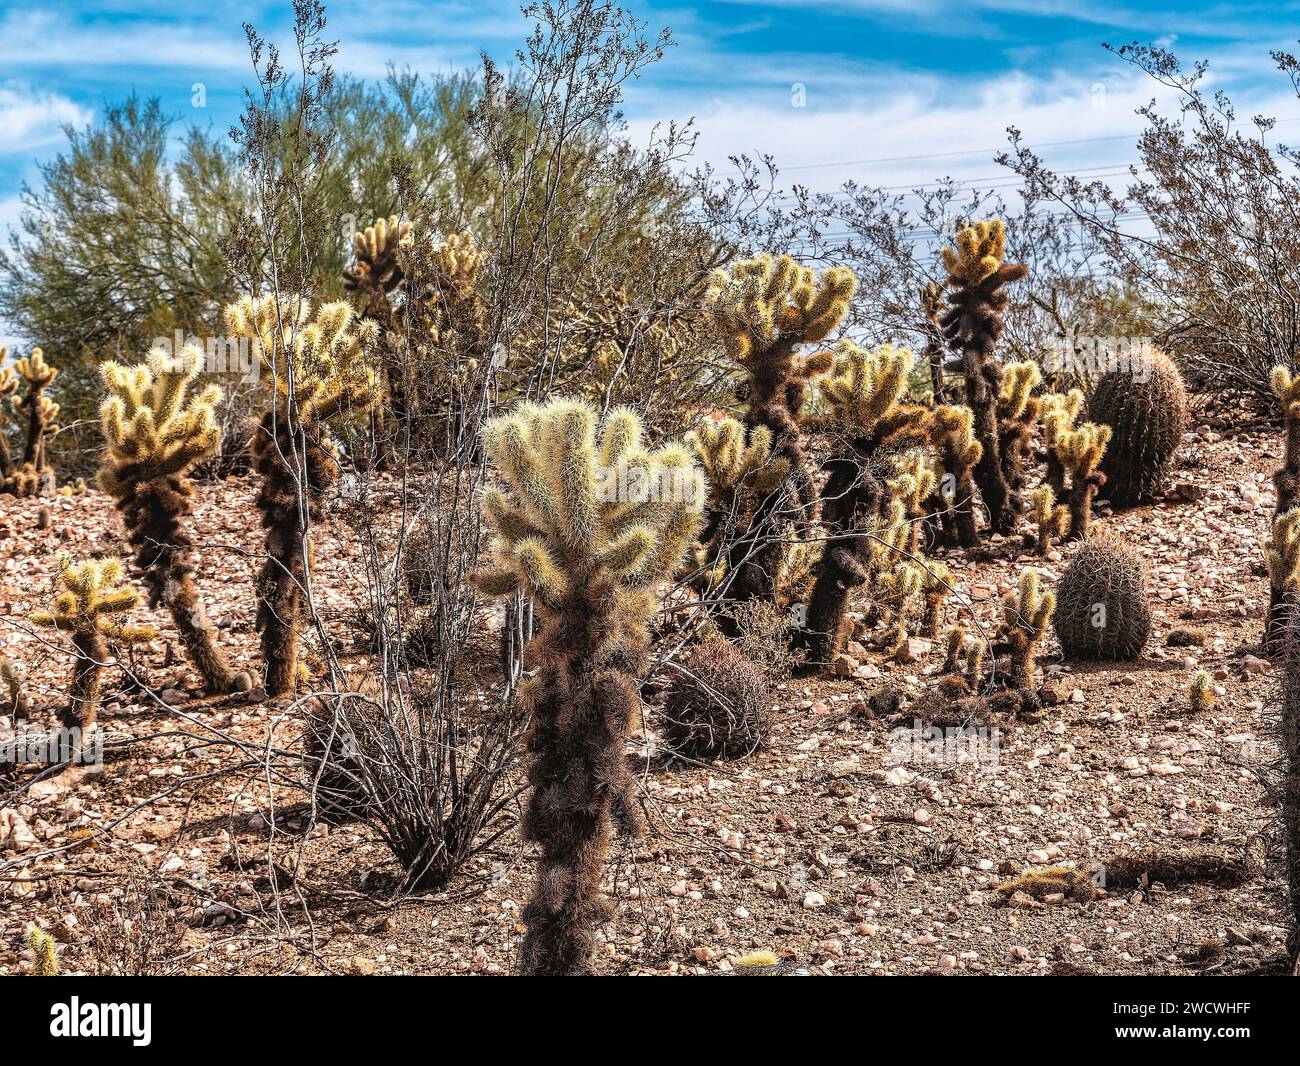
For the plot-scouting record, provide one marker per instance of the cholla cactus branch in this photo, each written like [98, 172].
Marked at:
[592, 561]
[156, 428]
[1080, 453]
[1051, 518]
[1025, 615]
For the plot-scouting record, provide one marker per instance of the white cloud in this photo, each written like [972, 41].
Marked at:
[30, 119]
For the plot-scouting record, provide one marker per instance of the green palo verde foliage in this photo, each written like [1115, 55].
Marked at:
[592, 562]
[1147, 413]
[319, 373]
[156, 429]
[32, 475]
[863, 394]
[764, 310]
[90, 608]
[977, 276]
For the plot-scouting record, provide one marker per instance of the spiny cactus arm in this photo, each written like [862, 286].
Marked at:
[569, 467]
[1018, 382]
[865, 386]
[45, 952]
[34, 370]
[979, 256]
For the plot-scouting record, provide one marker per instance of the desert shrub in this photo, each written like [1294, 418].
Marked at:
[1101, 603]
[1147, 418]
[717, 704]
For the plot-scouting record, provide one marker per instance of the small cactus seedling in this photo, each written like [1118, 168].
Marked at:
[1052, 519]
[1200, 691]
[156, 430]
[953, 434]
[976, 652]
[1080, 452]
[45, 953]
[1147, 412]
[318, 371]
[1018, 411]
[90, 608]
[593, 566]
[977, 276]
[764, 310]
[33, 474]
[1025, 615]
[954, 640]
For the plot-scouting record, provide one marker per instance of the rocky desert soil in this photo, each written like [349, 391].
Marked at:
[847, 845]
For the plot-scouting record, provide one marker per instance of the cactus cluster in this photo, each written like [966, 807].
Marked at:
[1101, 604]
[319, 372]
[763, 310]
[90, 606]
[156, 429]
[1286, 480]
[1147, 412]
[972, 326]
[592, 561]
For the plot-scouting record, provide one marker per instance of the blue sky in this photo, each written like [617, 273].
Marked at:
[881, 79]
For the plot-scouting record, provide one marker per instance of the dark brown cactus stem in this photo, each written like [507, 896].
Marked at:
[1289, 646]
[153, 516]
[1081, 496]
[286, 457]
[581, 702]
[87, 680]
[1286, 480]
[973, 325]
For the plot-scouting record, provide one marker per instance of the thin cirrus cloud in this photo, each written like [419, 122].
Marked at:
[31, 119]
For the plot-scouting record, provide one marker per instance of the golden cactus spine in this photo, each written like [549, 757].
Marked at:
[1051, 518]
[90, 606]
[318, 370]
[973, 325]
[592, 560]
[764, 310]
[156, 429]
[1201, 696]
[1025, 616]
[33, 474]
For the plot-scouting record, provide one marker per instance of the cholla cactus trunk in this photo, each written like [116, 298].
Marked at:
[1289, 646]
[33, 475]
[592, 565]
[156, 431]
[1286, 480]
[973, 326]
[289, 500]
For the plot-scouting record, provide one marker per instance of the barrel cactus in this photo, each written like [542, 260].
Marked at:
[716, 706]
[1147, 414]
[1101, 605]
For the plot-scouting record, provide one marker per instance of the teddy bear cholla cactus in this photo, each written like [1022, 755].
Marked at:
[1057, 414]
[1025, 614]
[376, 269]
[862, 394]
[953, 435]
[592, 562]
[90, 609]
[1286, 480]
[763, 310]
[1018, 411]
[318, 370]
[156, 430]
[977, 275]
[33, 474]
[1051, 518]
[1080, 452]
[8, 386]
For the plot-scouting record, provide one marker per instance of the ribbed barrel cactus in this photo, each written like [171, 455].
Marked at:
[589, 524]
[318, 373]
[1101, 602]
[157, 428]
[978, 276]
[1145, 406]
